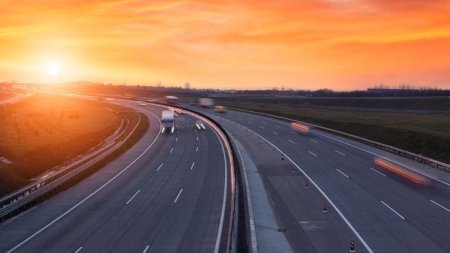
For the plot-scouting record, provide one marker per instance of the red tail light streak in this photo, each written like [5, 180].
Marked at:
[402, 171]
[301, 128]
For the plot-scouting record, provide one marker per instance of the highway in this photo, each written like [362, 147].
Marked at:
[380, 211]
[168, 193]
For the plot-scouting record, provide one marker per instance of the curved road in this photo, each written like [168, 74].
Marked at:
[380, 211]
[166, 194]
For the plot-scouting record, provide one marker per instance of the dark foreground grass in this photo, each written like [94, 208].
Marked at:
[424, 134]
[48, 130]
[133, 138]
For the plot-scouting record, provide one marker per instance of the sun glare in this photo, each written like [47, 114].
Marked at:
[53, 68]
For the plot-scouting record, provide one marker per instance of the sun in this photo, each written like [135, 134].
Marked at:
[53, 68]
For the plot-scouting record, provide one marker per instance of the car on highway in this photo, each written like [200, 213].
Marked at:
[219, 109]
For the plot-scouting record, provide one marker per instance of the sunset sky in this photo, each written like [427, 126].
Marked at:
[301, 44]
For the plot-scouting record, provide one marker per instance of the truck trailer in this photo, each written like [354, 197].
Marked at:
[167, 122]
[206, 102]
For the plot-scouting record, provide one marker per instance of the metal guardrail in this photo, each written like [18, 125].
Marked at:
[391, 149]
[13, 202]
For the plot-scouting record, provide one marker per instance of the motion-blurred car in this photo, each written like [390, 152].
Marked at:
[219, 109]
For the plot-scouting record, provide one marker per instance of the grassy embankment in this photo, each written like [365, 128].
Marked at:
[5, 95]
[427, 134]
[44, 131]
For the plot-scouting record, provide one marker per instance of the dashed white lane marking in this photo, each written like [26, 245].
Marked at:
[79, 249]
[87, 197]
[392, 209]
[278, 127]
[291, 141]
[312, 153]
[378, 172]
[196, 149]
[323, 194]
[275, 133]
[337, 151]
[261, 127]
[443, 207]
[179, 193]
[377, 155]
[192, 166]
[132, 197]
[146, 249]
[171, 150]
[176, 139]
[197, 138]
[345, 175]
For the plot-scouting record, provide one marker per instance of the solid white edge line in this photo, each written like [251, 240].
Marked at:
[323, 194]
[345, 175]
[225, 189]
[79, 249]
[146, 249]
[159, 167]
[224, 199]
[392, 209]
[362, 149]
[192, 166]
[384, 175]
[178, 195]
[132, 197]
[443, 207]
[87, 197]
[312, 153]
[254, 242]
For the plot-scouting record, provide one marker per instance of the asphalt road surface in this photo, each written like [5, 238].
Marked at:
[165, 194]
[380, 211]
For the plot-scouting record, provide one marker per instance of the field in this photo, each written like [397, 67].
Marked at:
[5, 95]
[425, 133]
[46, 130]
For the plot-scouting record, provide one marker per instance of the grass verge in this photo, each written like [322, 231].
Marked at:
[424, 134]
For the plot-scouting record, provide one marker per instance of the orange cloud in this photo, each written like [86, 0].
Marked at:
[306, 44]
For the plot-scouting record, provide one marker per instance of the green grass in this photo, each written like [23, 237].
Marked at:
[425, 134]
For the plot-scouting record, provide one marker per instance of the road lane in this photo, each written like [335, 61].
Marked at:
[136, 211]
[426, 225]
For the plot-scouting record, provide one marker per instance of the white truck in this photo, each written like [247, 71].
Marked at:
[206, 102]
[167, 122]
